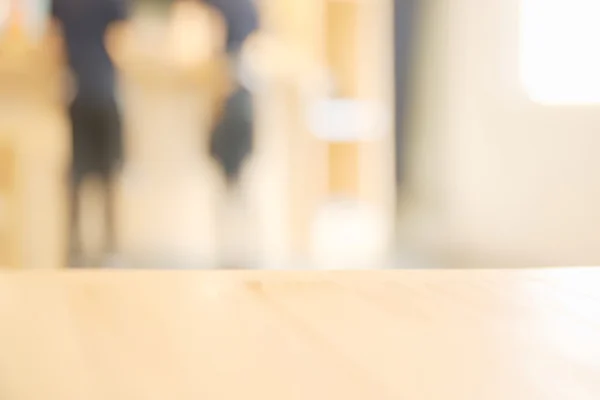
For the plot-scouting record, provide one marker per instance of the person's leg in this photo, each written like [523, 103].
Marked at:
[231, 141]
[232, 137]
[113, 157]
[231, 145]
[110, 233]
[77, 175]
[75, 247]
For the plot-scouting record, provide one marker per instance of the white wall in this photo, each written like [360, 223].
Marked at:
[494, 173]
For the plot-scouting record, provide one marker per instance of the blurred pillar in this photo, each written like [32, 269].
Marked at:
[33, 152]
[336, 122]
[286, 63]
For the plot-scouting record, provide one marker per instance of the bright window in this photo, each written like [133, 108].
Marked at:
[560, 51]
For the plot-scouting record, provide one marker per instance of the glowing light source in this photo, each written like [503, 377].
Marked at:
[559, 61]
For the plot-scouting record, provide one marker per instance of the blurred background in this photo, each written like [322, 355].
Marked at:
[308, 134]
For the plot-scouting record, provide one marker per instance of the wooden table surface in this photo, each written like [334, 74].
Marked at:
[448, 334]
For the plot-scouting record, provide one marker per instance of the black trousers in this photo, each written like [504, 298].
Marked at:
[97, 145]
[97, 149]
[232, 138]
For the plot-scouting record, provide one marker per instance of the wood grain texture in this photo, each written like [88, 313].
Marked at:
[520, 334]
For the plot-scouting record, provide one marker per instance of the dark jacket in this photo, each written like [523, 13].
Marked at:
[241, 17]
[84, 23]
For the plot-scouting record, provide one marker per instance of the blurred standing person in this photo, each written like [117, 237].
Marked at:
[94, 113]
[232, 137]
